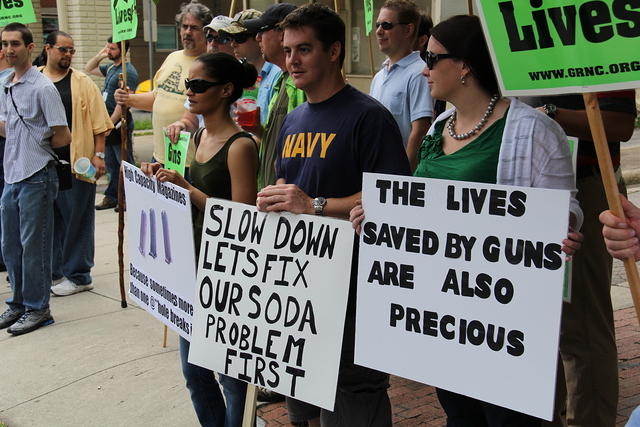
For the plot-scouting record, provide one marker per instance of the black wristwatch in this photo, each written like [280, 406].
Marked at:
[550, 110]
[318, 205]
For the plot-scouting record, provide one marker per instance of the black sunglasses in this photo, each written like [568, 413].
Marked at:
[200, 85]
[217, 39]
[242, 37]
[432, 58]
[388, 25]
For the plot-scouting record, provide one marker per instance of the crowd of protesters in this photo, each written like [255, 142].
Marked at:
[241, 86]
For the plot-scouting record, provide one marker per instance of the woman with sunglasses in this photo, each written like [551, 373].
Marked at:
[489, 139]
[225, 166]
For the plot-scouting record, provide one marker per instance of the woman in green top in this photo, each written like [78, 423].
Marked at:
[225, 166]
[489, 139]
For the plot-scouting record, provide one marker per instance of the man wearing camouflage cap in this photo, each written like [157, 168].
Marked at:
[246, 47]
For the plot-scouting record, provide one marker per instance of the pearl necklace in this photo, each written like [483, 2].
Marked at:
[452, 121]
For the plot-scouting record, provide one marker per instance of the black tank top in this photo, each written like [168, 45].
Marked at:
[212, 178]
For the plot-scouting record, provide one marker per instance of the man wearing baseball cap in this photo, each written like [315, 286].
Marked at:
[285, 95]
[246, 47]
[217, 42]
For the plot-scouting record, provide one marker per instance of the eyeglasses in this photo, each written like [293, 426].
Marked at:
[64, 49]
[432, 58]
[242, 37]
[217, 39]
[200, 85]
[388, 25]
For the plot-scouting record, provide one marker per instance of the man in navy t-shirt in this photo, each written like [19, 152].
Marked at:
[324, 147]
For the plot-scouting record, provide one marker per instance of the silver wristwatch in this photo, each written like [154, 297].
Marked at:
[100, 155]
[318, 205]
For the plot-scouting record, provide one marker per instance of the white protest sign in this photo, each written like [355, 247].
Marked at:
[160, 248]
[271, 298]
[460, 287]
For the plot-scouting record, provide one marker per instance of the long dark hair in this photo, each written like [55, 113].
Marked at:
[462, 36]
[226, 68]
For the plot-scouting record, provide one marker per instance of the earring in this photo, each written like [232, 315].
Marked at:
[462, 80]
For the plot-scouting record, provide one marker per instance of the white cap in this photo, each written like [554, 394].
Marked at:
[219, 22]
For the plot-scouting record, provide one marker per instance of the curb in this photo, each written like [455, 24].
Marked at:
[631, 176]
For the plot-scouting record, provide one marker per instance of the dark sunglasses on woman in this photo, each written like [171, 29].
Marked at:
[432, 58]
[199, 85]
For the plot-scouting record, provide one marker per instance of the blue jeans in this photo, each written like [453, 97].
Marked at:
[206, 397]
[112, 163]
[27, 237]
[74, 232]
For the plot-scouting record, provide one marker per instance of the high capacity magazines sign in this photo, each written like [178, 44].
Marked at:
[162, 267]
[563, 46]
[271, 298]
[460, 287]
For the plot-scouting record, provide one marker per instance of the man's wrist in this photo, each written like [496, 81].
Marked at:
[318, 204]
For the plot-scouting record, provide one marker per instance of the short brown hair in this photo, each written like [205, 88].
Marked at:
[27, 37]
[325, 23]
[408, 12]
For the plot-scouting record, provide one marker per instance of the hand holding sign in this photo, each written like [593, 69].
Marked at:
[621, 235]
[175, 153]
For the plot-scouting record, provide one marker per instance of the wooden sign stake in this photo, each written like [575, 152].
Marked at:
[124, 138]
[249, 418]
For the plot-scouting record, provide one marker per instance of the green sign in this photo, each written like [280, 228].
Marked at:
[16, 11]
[563, 46]
[124, 19]
[175, 155]
[368, 16]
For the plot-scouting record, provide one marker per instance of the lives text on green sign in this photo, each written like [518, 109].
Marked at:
[124, 19]
[556, 46]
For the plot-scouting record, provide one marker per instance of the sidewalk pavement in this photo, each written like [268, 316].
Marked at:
[100, 364]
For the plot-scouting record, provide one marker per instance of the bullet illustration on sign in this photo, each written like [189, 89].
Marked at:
[153, 253]
[143, 231]
[165, 236]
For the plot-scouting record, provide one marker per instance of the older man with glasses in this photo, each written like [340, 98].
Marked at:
[216, 42]
[166, 102]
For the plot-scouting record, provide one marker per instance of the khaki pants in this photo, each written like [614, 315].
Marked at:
[587, 393]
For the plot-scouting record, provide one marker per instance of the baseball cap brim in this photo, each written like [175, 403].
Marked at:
[270, 18]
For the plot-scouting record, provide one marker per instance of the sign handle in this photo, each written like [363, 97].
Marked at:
[124, 135]
[232, 8]
[249, 418]
[164, 336]
[470, 6]
[610, 185]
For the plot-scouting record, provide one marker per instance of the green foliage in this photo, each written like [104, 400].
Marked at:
[142, 125]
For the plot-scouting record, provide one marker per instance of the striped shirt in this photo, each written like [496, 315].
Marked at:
[28, 148]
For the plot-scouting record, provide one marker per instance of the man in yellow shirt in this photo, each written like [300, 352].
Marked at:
[74, 214]
[166, 102]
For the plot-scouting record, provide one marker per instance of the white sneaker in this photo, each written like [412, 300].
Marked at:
[67, 287]
[58, 281]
